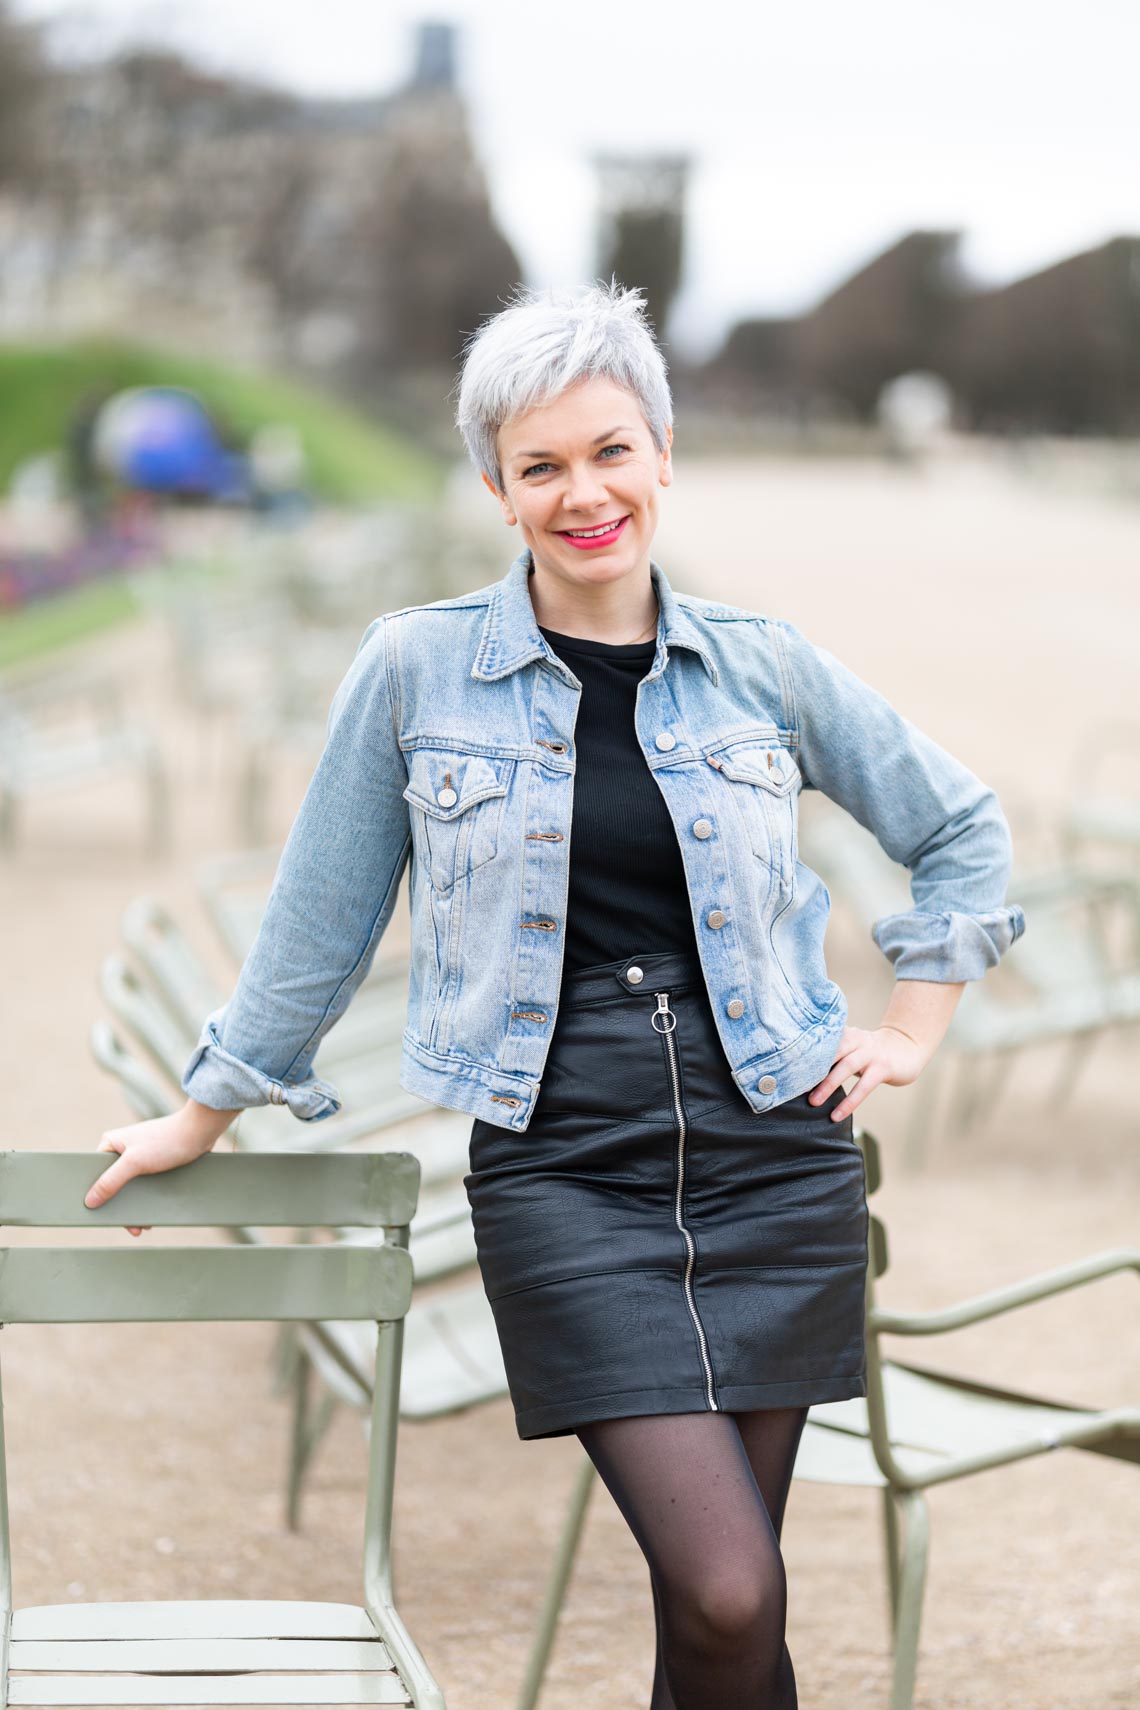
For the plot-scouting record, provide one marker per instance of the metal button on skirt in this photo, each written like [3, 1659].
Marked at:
[651, 1244]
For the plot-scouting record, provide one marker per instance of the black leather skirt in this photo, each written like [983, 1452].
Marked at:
[651, 1244]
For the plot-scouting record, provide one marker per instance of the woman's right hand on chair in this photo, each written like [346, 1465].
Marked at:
[162, 1143]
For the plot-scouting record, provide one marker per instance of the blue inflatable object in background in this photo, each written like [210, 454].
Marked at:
[160, 439]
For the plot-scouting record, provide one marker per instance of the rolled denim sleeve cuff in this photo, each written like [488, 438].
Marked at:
[947, 947]
[215, 1077]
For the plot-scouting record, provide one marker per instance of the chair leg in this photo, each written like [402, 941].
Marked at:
[298, 1444]
[975, 1090]
[891, 1531]
[998, 1081]
[912, 1584]
[283, 1360]
[556, 1586]
[158, 807]
[309, 1426]
[251, 797]
[1075, 1058]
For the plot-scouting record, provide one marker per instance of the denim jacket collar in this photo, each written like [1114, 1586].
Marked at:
[511, 636]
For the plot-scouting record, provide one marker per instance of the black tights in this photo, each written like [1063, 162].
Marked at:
[704, 1496]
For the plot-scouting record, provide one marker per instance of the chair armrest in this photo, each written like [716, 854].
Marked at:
[982, 1306]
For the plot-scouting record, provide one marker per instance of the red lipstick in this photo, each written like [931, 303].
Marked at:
[592, 542]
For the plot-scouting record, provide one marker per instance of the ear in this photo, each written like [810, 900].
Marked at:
[666, 475]
[509, 516]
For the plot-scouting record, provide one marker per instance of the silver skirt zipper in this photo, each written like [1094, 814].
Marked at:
[690, 1247]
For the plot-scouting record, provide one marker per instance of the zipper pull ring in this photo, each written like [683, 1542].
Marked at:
[663, 1009]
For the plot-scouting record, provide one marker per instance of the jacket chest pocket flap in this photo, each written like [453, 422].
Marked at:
[457, 806]
[765, 778]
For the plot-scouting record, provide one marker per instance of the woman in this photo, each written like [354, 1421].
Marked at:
[668, 1202]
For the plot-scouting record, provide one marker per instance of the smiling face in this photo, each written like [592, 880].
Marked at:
[581, 476]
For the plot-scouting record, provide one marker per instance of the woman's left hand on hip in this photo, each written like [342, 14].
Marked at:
[876, 1055]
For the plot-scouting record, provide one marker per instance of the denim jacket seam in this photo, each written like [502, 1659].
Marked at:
[459, 1062]
[787, 688]
[395, 705]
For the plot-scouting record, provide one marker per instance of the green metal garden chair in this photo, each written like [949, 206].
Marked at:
[915, 1428]
[220, 1652]
[1103, 811]
[1074, 975]
[441, 1240]
[69, 730]
[451, 1356]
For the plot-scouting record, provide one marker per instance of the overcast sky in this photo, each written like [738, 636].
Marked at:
[819, 132]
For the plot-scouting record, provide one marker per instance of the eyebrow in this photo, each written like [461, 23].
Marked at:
[601, 437]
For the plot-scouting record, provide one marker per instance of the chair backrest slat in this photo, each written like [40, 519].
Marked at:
[146, 1097]
[171, 962]
[92, 1285]
[269, 1190]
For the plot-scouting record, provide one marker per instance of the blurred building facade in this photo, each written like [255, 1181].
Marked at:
[641, 225]
[339, 236]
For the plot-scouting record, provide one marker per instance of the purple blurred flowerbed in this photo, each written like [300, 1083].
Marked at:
[28, 575]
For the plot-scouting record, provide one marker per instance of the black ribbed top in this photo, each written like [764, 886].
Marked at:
[628, 893]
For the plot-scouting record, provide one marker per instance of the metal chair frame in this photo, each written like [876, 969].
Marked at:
[221, 1652]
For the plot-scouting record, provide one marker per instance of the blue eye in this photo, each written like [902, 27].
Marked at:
[537, 468]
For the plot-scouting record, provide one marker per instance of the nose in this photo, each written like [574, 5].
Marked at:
[585, 488]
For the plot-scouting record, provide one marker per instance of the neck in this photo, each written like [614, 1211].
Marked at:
[624, 611]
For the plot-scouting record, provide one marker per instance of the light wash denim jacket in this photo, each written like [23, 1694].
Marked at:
[451, 742]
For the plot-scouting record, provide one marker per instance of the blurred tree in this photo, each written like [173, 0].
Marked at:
[278, 246]
[1057, 351]
[895, 314]
[23, 76]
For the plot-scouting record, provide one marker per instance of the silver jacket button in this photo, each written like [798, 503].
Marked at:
[736, 1008]
[635, 975]
[767, 1083]
[666, 740]
[702, 828]
[447, 798]
[716, 918]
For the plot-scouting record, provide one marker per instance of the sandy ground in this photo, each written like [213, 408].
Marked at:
[1001, 615]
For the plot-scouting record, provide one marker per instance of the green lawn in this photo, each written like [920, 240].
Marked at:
[351, 459]
[69, 616]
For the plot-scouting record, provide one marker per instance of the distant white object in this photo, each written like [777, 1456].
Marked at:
[36, 517]
[38, 483]
[915, 410]
[277, 458]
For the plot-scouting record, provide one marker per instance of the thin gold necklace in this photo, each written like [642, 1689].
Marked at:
[645, 634]
[651, 629]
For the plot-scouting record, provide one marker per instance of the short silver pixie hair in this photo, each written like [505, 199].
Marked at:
[543, 342]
